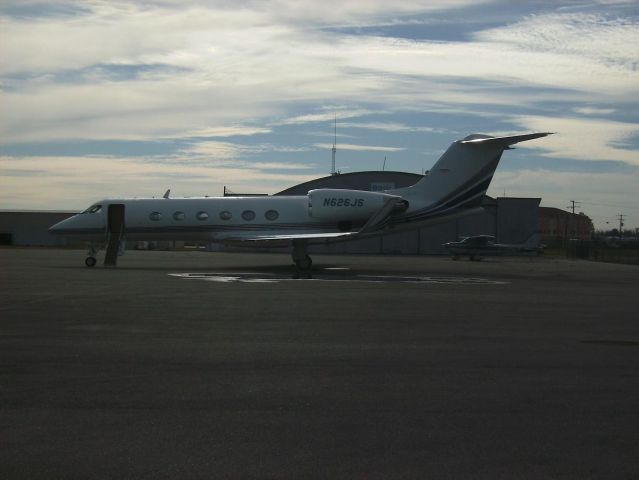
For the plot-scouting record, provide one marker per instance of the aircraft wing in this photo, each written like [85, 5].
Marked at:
[284, 240]
[300, 236]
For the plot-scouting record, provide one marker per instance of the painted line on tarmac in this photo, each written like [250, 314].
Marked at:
[252, 277]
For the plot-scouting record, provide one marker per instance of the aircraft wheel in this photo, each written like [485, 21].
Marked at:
[304, 263]
[90, 261]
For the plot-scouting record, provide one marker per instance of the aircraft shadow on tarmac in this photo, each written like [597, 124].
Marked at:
[278, 273]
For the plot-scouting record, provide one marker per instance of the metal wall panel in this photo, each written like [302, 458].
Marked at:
[517, 219]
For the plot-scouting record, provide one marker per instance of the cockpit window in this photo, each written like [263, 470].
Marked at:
[93, 209]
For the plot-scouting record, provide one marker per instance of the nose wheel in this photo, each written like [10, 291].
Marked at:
[90, 261]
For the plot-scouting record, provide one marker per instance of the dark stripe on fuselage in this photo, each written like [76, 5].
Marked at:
[471, 198]
[78, 231]
[238, 227]
[185, 229]
[487, 170]
[469, 194]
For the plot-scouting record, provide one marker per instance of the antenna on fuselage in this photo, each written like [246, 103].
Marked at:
[334, 150]
[167, 193]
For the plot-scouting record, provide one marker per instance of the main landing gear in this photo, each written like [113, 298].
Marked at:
[303, 261]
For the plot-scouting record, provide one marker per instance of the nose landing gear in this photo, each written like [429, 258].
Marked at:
[90, 261]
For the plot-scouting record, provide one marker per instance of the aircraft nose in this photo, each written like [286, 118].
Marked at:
[60, 227]
[54, 229]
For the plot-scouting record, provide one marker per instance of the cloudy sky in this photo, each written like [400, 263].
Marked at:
[107, 98]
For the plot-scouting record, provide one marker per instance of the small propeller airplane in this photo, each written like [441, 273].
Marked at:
[453, 187]
[479, 246]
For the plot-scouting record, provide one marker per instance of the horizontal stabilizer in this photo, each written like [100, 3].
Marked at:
[505, 141]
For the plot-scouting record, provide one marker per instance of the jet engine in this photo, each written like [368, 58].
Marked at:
[346, 205]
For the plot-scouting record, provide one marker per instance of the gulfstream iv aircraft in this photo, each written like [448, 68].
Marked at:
[454, 186]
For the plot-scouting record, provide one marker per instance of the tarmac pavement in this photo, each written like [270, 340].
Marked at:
[219, 365]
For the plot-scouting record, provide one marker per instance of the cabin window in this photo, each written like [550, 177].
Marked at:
[248, 215]
[155, 216]
[202, 216]
[93, 209]
[226, 215]
[271, 215]
[179, 216]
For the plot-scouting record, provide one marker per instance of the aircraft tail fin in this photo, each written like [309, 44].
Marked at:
[461, 176]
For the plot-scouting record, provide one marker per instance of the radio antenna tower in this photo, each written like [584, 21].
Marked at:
[334, 149]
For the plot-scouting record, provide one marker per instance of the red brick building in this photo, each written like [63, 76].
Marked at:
[559, 225]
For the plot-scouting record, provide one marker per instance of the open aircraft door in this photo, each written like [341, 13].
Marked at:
[115, 233]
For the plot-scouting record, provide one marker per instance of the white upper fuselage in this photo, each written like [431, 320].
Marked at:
[209, 219]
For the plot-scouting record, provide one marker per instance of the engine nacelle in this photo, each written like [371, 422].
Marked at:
[345, 205]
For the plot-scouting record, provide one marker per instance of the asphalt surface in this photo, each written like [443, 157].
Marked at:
[377, 368]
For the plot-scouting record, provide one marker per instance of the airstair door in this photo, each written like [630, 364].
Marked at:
[115, 219]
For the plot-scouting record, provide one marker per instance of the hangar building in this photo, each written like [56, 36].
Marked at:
[511, 220]
[29, 228]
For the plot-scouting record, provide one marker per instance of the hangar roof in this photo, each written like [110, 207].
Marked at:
[367, 180]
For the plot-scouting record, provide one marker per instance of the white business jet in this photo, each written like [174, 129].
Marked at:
[454, 186]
